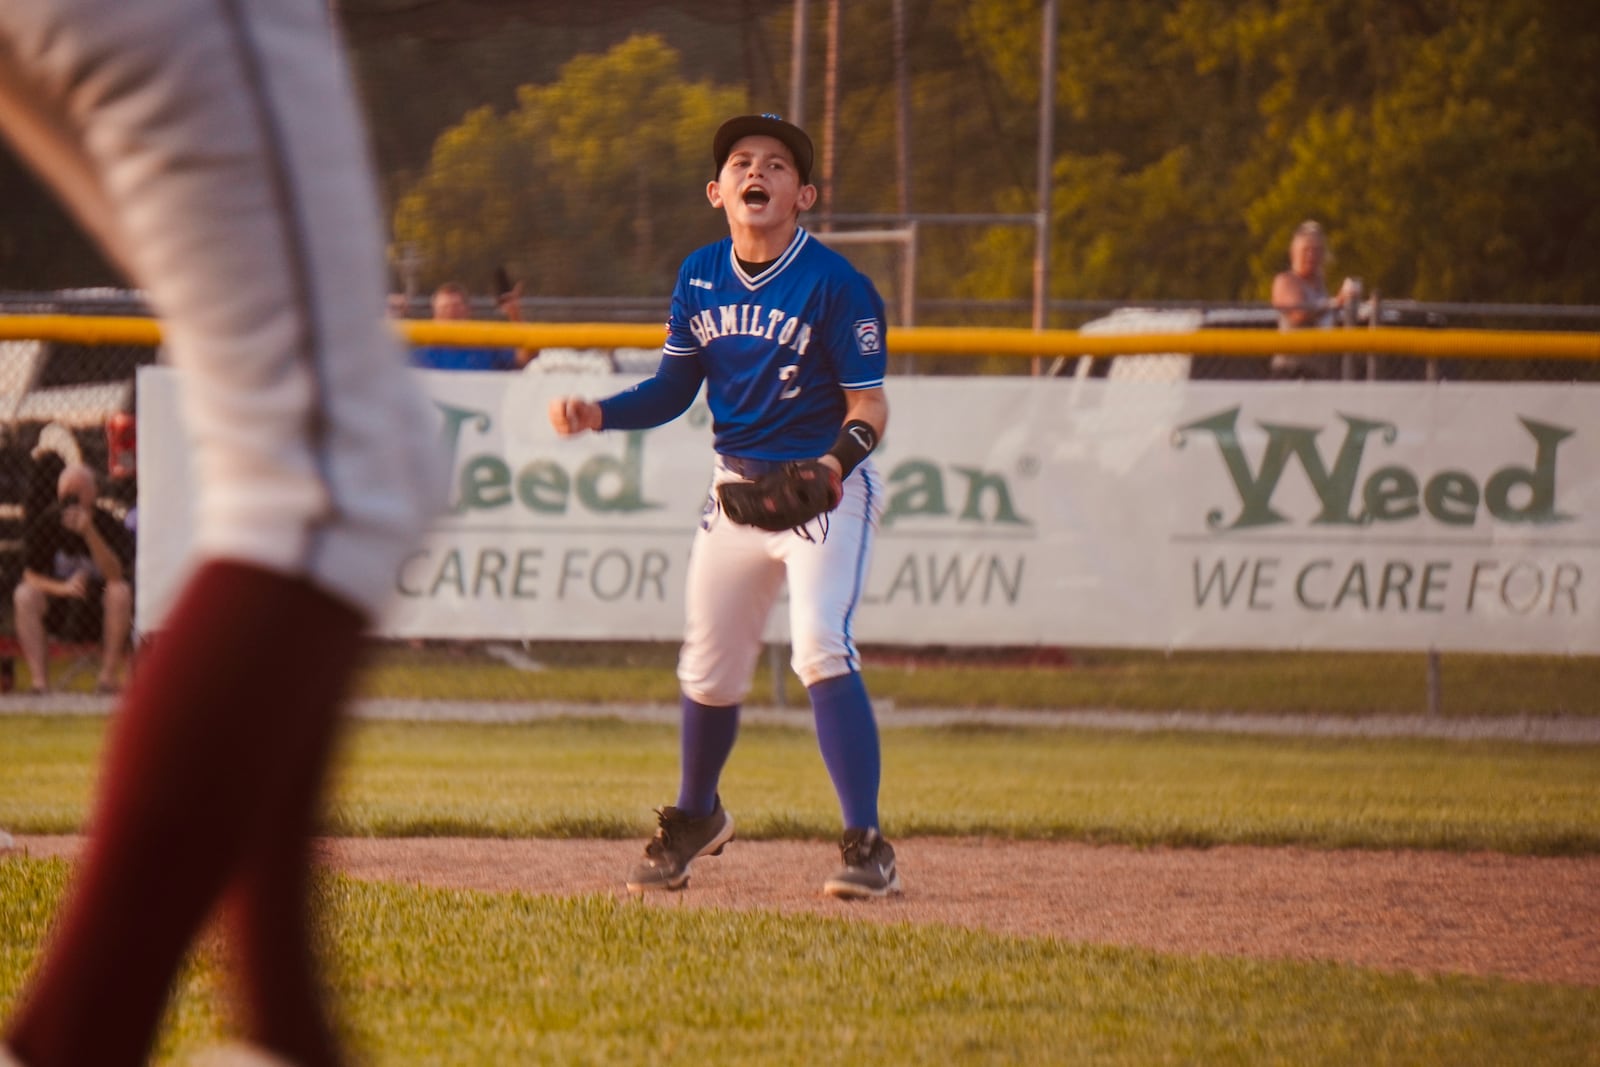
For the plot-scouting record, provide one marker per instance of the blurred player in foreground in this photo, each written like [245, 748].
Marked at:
[215, 152]
[788, 338]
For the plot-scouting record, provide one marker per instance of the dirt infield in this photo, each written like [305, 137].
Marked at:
[1530, 919]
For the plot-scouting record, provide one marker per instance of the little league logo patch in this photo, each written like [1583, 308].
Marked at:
[869, 337]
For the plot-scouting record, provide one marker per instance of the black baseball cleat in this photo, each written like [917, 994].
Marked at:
[680, 839]
[868, 869]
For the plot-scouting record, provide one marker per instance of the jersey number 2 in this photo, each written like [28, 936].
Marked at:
[788, 374]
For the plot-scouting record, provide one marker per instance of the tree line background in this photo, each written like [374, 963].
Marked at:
[1451, 147]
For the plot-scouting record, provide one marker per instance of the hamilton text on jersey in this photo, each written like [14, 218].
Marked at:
[750, 320]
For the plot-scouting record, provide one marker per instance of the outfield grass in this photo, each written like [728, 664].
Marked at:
[1327, 683]
[1280, 682]
[426, 976]
[600, 778]
[441, 977]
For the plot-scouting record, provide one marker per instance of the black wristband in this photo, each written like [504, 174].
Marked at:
[856, 441]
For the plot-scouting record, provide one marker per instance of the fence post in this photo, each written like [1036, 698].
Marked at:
[1347, 320]
[1434, 697]
[1372, 324]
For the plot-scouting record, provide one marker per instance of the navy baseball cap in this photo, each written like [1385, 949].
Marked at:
[730, 132]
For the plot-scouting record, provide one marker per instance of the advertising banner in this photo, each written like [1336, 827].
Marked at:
[1026, 511]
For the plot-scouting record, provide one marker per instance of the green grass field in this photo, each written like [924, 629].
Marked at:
[425, 976]
[439, 977]
[1328, 683]
[1279, 682]
[601, 777]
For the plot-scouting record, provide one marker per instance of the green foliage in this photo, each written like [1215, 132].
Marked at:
[452, 977]
[1146, 204]
[580, 187]
[1451, 148]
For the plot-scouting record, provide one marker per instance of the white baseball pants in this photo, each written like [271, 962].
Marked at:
[736, 573]
[217, 155]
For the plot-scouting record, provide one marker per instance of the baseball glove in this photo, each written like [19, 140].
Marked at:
[783, 499]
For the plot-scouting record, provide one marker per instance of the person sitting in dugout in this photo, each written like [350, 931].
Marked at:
[76, 580]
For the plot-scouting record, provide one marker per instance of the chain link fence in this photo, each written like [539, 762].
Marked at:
[64, 404]
[1354, 366]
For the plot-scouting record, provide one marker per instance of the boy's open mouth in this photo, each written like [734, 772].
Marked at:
[756, 196]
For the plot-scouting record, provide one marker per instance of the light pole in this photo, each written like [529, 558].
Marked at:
[1047, 152]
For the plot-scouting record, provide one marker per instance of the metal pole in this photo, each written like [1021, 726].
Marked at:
[902, 110]
[797, 67]
[830, 112]
[908, 305]
[1372, 324]
[902, 116]
[908, 308]
[797, 115]
[1047, 153]
[410, 262]
[1347, 363]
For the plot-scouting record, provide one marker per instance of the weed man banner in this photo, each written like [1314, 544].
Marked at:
[1022, 511]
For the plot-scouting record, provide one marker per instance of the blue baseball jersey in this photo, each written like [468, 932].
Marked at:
[777, 350]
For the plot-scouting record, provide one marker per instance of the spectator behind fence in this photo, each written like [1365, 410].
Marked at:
[1300, 294]
[76, 580]
[450, 303]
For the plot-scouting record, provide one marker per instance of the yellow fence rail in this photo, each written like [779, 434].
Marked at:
[923, 340]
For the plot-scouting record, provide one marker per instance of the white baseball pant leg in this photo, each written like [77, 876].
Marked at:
[295, 387]
[827, 579]
[736, 573]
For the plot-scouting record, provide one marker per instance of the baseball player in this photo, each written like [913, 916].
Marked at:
[216, 153]
[788, 338]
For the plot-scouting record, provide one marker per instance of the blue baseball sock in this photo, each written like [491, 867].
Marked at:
[706, 740]
[848, 736]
